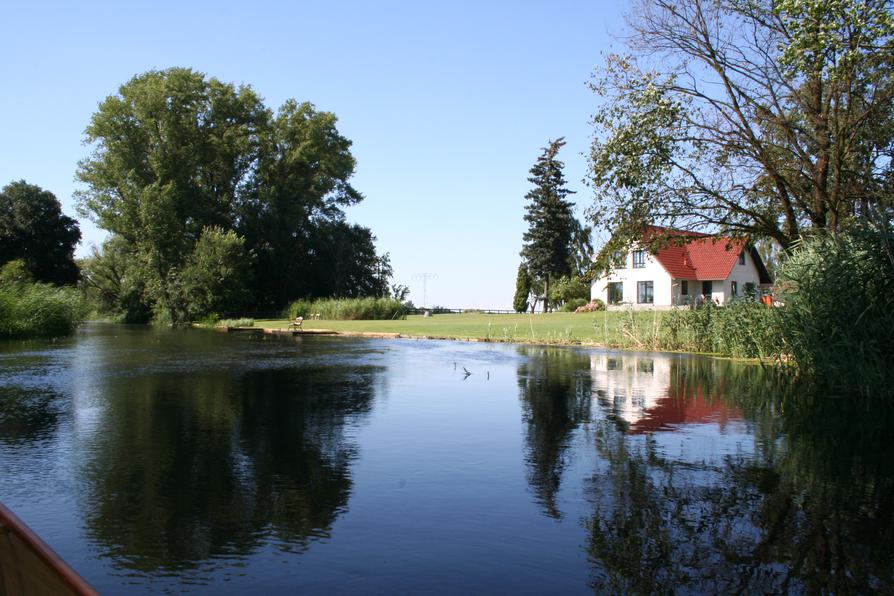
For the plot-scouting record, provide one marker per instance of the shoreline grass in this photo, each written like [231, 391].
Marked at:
[610, 329]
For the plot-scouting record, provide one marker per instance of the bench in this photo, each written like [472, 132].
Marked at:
[296, 323]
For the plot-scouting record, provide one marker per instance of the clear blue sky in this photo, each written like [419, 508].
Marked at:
[448, 105]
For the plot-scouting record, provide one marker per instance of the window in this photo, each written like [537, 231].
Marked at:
[684, 287]
[742, 257]
[749, 289]
[707, 288]
[734, 289]
[619, 259]
[639, 259]
[644, 292]
[615, 292]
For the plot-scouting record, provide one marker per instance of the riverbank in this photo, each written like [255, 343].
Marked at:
[615, 329]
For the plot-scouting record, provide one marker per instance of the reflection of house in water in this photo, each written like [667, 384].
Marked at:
[638, 391]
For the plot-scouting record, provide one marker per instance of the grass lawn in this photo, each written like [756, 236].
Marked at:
[603, 328]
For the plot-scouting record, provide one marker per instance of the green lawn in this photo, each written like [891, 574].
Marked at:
[604, 328]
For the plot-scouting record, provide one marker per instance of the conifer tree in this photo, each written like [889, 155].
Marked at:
[522, 289]
[548, 241]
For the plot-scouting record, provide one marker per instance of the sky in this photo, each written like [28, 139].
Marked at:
[448, 105]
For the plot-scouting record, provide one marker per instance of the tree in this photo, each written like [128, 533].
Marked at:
[34, 229]
[175, 153]
[547, 242]
[216, 276]
[765, 118]
[522, 289]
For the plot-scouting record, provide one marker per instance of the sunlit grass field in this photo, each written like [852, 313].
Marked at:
[603, 328]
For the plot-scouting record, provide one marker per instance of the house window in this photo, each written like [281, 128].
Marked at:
[749, 289]
[615, 292]
[644, 292]
[734, 289]
[684, 287]
[742, 257]
[639, 259]
[707, 288]
[619, 259]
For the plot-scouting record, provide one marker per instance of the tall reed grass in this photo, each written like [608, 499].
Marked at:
[838, 319]
[348, 309]
[39, 310]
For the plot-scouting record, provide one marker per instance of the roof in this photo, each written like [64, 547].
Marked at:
[702, 256]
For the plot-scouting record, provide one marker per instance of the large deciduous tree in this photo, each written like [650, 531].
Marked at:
[766, 118]
[34, 229]
[547, 249]
[176, 153]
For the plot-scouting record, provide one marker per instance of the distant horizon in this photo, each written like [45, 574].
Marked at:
[447, 108]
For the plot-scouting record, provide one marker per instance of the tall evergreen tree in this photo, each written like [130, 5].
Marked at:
[547, 249]
[522, 289]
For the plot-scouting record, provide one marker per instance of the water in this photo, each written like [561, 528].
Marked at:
[159, 461]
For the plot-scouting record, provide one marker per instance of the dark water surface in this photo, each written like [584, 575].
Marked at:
[161, 461]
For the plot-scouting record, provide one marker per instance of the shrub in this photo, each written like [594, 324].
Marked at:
[591, 306]
[574, 304]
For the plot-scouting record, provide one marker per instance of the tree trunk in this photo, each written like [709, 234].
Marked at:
[546, 294]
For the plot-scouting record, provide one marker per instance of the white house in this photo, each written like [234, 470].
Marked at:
[691, 266]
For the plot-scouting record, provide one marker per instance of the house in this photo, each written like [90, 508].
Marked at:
[690, 268]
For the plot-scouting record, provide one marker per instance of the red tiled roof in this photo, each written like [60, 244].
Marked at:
[702, 257]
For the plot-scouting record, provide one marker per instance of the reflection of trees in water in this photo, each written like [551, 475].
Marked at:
[810, 510]
[555, 390]
[192, 466]
[27, 415]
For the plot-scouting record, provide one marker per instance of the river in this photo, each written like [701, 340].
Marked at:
[190, 461]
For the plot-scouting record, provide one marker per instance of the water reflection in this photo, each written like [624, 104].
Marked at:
[798, 498]
[193, 466]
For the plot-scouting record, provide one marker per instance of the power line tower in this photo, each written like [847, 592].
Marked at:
[425, 277]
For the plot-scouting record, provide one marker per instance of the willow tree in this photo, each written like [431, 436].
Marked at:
[765, 118]
[547, 249]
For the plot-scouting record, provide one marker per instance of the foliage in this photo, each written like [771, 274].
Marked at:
[743, 329]
[838, 319]
[591, 306]
[243, 322]
[348, 309]
[34, 229]
[38, 309]
[15, 271]
[114, 281]
[569, 288]
[547, 242]
[175, 152]
[522, 289]
[216, 275]
[758, 118]
[574, 305]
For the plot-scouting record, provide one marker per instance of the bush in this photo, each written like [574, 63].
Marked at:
[348, 309]
[574, 304]
[838, 318]
[39, 310]
[592, 306]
